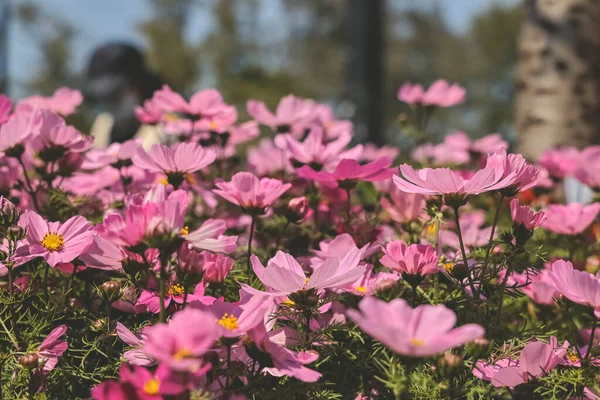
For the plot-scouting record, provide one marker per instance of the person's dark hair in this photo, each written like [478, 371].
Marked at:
[115, 66]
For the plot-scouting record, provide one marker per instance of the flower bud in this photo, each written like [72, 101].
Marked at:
[9, 215]
[29, 361]
[297, 209]
[216, 267]
[16, 233]
[459, 271]
[111, 291]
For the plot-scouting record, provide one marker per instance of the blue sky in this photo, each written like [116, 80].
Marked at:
[99, 21]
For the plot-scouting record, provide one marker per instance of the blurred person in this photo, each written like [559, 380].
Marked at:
[116, 81]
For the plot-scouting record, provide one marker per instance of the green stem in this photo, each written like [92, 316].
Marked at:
[285, 228]
[10, 281]
[503, 288]
[489, 246]
[9, 334]
[464, 253]
[28, 182]
[228, 366]
[591, 343]
[249, 253]
[161, 283]
[348, 208]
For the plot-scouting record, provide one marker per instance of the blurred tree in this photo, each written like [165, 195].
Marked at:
[53, 36]
[168, 52]
[558, 99]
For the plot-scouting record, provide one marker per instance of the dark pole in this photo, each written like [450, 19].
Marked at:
[4, 19]
[365, 67]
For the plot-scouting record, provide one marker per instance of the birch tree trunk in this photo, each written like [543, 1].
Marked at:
[558, 85]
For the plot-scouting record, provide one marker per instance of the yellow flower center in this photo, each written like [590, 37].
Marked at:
[170, 117]
[152, 386]
[417, 342]
[185, 230]
[164, 181]
[228, 322]
[449, 267]
[191, 179]
[53, 241]
[431, 228]
[572, 356]
[175, 290]
[182, 354]
[306, 281]
[361, 289]
[213, 125]
[289, 302]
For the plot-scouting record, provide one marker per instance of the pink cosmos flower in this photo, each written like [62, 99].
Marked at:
[253, 195]
[5, 107]
[141, 384]
[175, 161]
[149, 300]
[570, 219]
[52, 348]
[486, 371]
[235, 320]
[339, 247]
[445, 181]
[284, 275]
[578, 286]
[370, 283]
[55, 242]
[210, 237]
[410, 93]
[113, 154]
[539, 287]
[403, 207]
[588, 170]
[524, 215]
[473, 232]
[517, 175]
[315, 151]
[440, 154]
[135, 356]
[560, 162]
[421, 332]
[333, 127]
[216, 267]
[64, 101]
[56, 137]
[349, 172]
[371, 152]
[489, 144]
[285, 362]
[535, 361]
[19, 129]
[416, 259]
[267, 158]
[205, 111]
[182, 342]
[293, 114]
[440, 94]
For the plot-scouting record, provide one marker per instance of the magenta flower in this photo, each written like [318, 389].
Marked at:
[524, 215]
[235, 320]
[285, 362]
[517, 176]
[210, 237]
[539, 287]
[489, 144]
[293, 114]
[416, 259]
[118, 154]
[19, 129]
[58, 243]
[175, 161]
[403, 207]
[444, 181]
[535, 361]
[560, 162]
[486, 371]
[267, 158]
[216, 267]
[135, 356]
[205, 111]
[349, 172]
[5, 107]
[420, 332]
[64, 101]
[570, 219]
[284, 275]
[315, 151]
[52, 348]
[578, 286]
[440, 94]
[588, 170]
[182, 342]
[253, 195]
[56, 138]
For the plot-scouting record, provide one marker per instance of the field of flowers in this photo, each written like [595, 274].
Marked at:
[276, 259]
